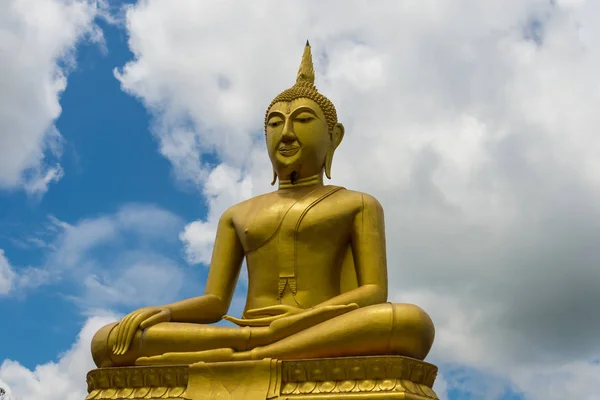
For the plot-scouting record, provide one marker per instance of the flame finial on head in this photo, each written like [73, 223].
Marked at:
[305, 88]
[306, 72]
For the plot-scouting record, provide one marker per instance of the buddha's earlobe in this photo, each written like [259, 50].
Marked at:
[274, 177]
[328, 162]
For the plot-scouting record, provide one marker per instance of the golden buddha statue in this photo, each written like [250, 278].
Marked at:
[316, 258]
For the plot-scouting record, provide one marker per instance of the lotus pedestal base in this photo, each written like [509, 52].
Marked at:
[362, 378]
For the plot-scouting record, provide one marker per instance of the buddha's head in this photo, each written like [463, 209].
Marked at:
[301, 128]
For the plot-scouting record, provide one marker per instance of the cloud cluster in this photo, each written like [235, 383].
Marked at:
[224, 186]
[7, 275]
[60, 380]
[118, 262]
[474, 123]
[38, 39]
[125, 259]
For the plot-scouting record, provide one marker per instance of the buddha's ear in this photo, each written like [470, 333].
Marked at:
[274, 177]
[274, 172]
[336, 138]
[337, 135]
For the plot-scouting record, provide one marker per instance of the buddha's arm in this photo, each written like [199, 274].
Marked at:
[368, 248]
[225, 265]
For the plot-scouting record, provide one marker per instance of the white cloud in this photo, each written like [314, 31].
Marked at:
[63, 379]
[119, 259]
[225, 186]
[37, 44]
[441, 387]
[7, 275]
[571, 380]
[474, 123]
[146, 279]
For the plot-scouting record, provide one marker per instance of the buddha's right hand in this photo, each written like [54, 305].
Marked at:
[139, 319]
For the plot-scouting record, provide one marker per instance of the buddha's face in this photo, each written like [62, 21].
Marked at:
[298, 138]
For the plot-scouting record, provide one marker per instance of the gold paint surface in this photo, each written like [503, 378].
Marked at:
[242, 380]
[386, 377]
[317, 290]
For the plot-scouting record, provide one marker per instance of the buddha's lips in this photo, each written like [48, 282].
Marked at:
[289, 151]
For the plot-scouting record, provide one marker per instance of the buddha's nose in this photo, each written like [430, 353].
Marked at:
[288, 134]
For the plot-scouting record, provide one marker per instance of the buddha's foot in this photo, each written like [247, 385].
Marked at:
[217, 355]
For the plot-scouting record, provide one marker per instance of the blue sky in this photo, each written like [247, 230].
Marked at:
[152, 155]
[111, 159]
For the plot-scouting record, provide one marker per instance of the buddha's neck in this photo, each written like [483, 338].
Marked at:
[314, 180]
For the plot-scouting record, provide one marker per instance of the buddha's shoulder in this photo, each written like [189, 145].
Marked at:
[345, 199]
[356, 199]
[245, 206]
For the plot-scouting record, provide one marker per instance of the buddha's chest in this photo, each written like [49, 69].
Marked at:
[289, 220]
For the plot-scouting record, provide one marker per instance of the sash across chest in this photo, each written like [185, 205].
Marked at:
[287, 250]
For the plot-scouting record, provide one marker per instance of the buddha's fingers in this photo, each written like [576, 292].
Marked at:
[121, 326]
[312, 317]
[116, 342]
[118, 329]
[131, 330]
[163, 316]
[154, 360]
[266, 321]
[126, 325]
[122, 332]
[309, 317]
[277, 309]
[216, 355]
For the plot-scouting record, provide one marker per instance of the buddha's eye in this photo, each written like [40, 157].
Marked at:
[274, 124]
[304, 120]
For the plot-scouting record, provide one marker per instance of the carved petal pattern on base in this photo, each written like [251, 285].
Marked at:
[385, 377]
[137, 383]
[362, 377]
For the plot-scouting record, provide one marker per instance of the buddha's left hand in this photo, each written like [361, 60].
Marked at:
[292, 316]
[310, 317]
[265, 315]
